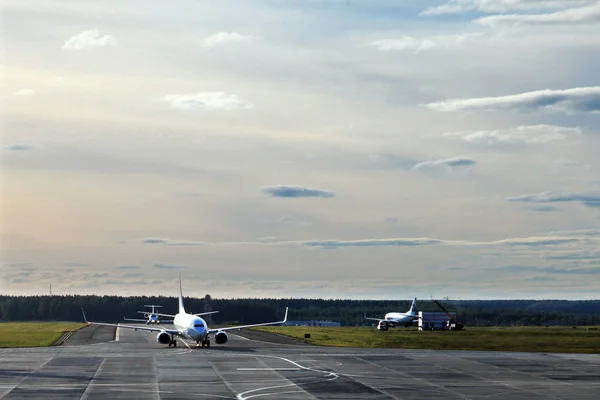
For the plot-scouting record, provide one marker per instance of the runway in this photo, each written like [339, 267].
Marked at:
[92, 365]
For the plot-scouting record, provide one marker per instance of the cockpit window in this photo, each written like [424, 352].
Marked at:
[198, 325]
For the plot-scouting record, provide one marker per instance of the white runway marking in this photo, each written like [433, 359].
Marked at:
[266, 391]
[269, 369]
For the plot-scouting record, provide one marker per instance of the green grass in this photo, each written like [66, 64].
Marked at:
[529, 339]
[34, 334]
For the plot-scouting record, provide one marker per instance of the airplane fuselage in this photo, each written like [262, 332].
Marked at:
[400, 318]
[192, 326]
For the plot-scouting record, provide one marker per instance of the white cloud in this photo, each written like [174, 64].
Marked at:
[445, 162]
[223, 38]
[207, 101]
[581, 99]
[520, 134]
[292, 220]
[423, 44]
[572, 15]
[25, 92]
[87, 39]
[294, 191]
[533, 241]
[587, 199]
[495, 6]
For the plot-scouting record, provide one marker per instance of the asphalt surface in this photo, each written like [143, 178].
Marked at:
[136, 366]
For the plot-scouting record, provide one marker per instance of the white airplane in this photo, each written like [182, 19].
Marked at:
[154, 317]
[189, 326]
[396, 318]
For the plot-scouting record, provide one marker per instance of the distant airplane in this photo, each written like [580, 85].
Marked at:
[153, 317]
[395, 318]
[189, 326]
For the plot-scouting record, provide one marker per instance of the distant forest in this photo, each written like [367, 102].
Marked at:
[348, 312]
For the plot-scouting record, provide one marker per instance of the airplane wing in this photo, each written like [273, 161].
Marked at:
[374, 319]
[164, 315]
[135, 319]
[141, 328]
[205, 313]
[229, 328]
[158, 314]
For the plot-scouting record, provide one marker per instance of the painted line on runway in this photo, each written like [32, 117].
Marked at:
[269, 369]
[240, 336]
[249, 394]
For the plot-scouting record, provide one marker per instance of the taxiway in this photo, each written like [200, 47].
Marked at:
[92, 365]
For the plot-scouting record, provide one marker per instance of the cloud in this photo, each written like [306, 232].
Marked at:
[581, 99]
[587, 199]
[575, 256]
[409, 43]
[166, 266]
[25, 92]
[292, 191]
[130, 274]
[223, 38]
[19, 147]
[446, 162]
[172, 242]
[88, 39]
[207, 101]
[544, 208]
[569, 16]
[127, 267]
[577, 232]
[392, 220]
[495, 6]
[534, 241]
[401, 242]
[395, 242]
[291, 220]
[550, 270]
[531, 134]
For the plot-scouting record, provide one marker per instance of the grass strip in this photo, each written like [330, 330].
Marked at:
[34, 334]
[519, 339]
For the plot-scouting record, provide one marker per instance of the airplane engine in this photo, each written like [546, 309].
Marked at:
[146, 315]
[163, 337]
[221, 337]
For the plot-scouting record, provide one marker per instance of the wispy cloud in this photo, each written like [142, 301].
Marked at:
[499, 6]
[293, 191]
[25, 92]
[172, 242]
[166, 266]
[19, 147]
[292, 220]
[445, 162]
[89, 39]
[550, 270]
[572, 15]
[206, 101]
[534, 241]
[409, 43]
[128, 267]
[587, 199]
[223, 38]
[520, 134]
[581, 99]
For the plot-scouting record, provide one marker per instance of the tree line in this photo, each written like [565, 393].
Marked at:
[248, 311]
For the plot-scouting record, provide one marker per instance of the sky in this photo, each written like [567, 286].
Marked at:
[361, 149]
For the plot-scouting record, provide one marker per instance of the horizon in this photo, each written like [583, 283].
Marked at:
[343, 149]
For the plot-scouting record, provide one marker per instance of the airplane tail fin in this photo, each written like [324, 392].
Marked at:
[181, 308]
[413, 307]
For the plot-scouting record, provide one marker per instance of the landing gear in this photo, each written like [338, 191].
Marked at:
[203, 342]
[173, 342]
